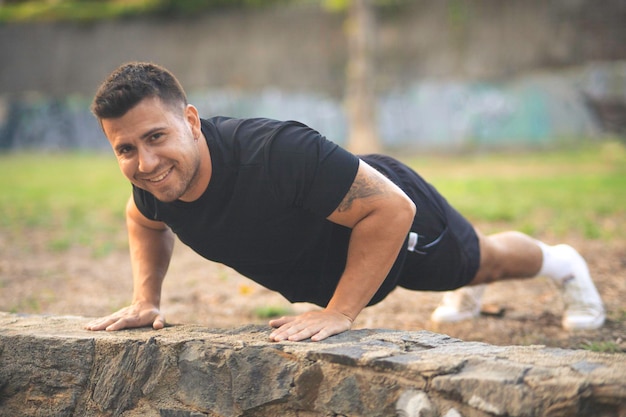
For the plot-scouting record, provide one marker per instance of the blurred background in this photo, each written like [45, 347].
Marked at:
[449, 75]
[515, 110]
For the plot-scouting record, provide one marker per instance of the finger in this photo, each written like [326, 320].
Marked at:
[284, 331]
[323, 334]
[99, 324]
[310, 330]
[159, 322]
[331, 330]
[90, 326]
[302, 334]
[281, 321]
[128, 322]
[279, 335]
[118, 325]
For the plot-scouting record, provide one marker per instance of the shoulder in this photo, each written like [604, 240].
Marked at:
[145, 202]
[268, 139]
[232, 126]
[257, 127]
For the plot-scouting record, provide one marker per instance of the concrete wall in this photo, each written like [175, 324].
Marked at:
[303, 48]
[451, 75]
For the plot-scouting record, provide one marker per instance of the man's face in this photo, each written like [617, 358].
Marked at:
[155, 148]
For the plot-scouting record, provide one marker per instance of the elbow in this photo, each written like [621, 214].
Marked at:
[412, 208]
[404, 211]
[408, 210]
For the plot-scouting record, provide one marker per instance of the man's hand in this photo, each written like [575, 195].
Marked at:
[151, 245]
[135, 315]
[317, 325]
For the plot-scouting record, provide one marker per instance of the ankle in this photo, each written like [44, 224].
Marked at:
[557, 261]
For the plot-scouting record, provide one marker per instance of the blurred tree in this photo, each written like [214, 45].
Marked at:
[360, 99]
[93, 10]
[360, 95]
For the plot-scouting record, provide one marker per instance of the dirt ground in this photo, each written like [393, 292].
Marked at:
[34, 280]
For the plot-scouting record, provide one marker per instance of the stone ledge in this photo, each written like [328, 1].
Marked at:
[49, 366]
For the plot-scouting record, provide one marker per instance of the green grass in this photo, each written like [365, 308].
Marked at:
[269, 312]
[578, 192]
[75, 199]
[78, 199]
[602, 346]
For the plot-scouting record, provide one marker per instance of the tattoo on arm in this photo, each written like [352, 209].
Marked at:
[370, 186]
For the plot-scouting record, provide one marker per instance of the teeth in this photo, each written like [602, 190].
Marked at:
[160, 177]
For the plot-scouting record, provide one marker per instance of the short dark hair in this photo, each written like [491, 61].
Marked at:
[132, 82]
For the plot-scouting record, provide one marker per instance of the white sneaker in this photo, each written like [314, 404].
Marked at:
[458, 305]
[583, 306]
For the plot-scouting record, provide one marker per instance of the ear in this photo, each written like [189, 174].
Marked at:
[193, 118]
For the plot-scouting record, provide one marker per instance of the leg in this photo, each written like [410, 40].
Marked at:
[511, 255]
[502, 256]
[507, 255]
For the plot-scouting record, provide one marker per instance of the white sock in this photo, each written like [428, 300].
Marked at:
[554, 265]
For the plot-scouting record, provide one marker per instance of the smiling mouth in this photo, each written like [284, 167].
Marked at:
[160, 177]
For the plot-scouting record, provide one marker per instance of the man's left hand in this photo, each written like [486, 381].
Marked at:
[316, 325]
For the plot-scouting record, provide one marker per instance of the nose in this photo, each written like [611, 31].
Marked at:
[148, 160]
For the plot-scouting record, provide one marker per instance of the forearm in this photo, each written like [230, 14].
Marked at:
[380, 216]
[150, 253]
[374, 246]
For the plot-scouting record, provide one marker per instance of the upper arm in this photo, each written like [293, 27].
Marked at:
[371, 192]
[135, 217]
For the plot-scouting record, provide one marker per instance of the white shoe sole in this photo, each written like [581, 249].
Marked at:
[448, 315]
[586, 313]
[575, 322]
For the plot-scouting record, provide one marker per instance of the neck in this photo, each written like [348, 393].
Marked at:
[205, 171]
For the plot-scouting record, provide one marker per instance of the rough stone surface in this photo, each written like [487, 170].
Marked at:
[49, 366]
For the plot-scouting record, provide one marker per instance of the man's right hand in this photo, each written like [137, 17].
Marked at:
[135, 315]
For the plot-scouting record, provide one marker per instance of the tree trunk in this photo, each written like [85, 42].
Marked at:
[360, 97]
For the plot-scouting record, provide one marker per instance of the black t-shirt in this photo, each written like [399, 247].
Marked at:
[264, 211]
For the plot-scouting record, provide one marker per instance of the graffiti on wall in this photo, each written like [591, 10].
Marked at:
[532, 111]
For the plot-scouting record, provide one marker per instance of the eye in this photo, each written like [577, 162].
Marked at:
[156, 136]
[123, 150]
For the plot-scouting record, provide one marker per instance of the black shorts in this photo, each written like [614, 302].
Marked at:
[447, 254]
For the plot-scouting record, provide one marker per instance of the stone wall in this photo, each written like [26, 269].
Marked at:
[49, 366]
